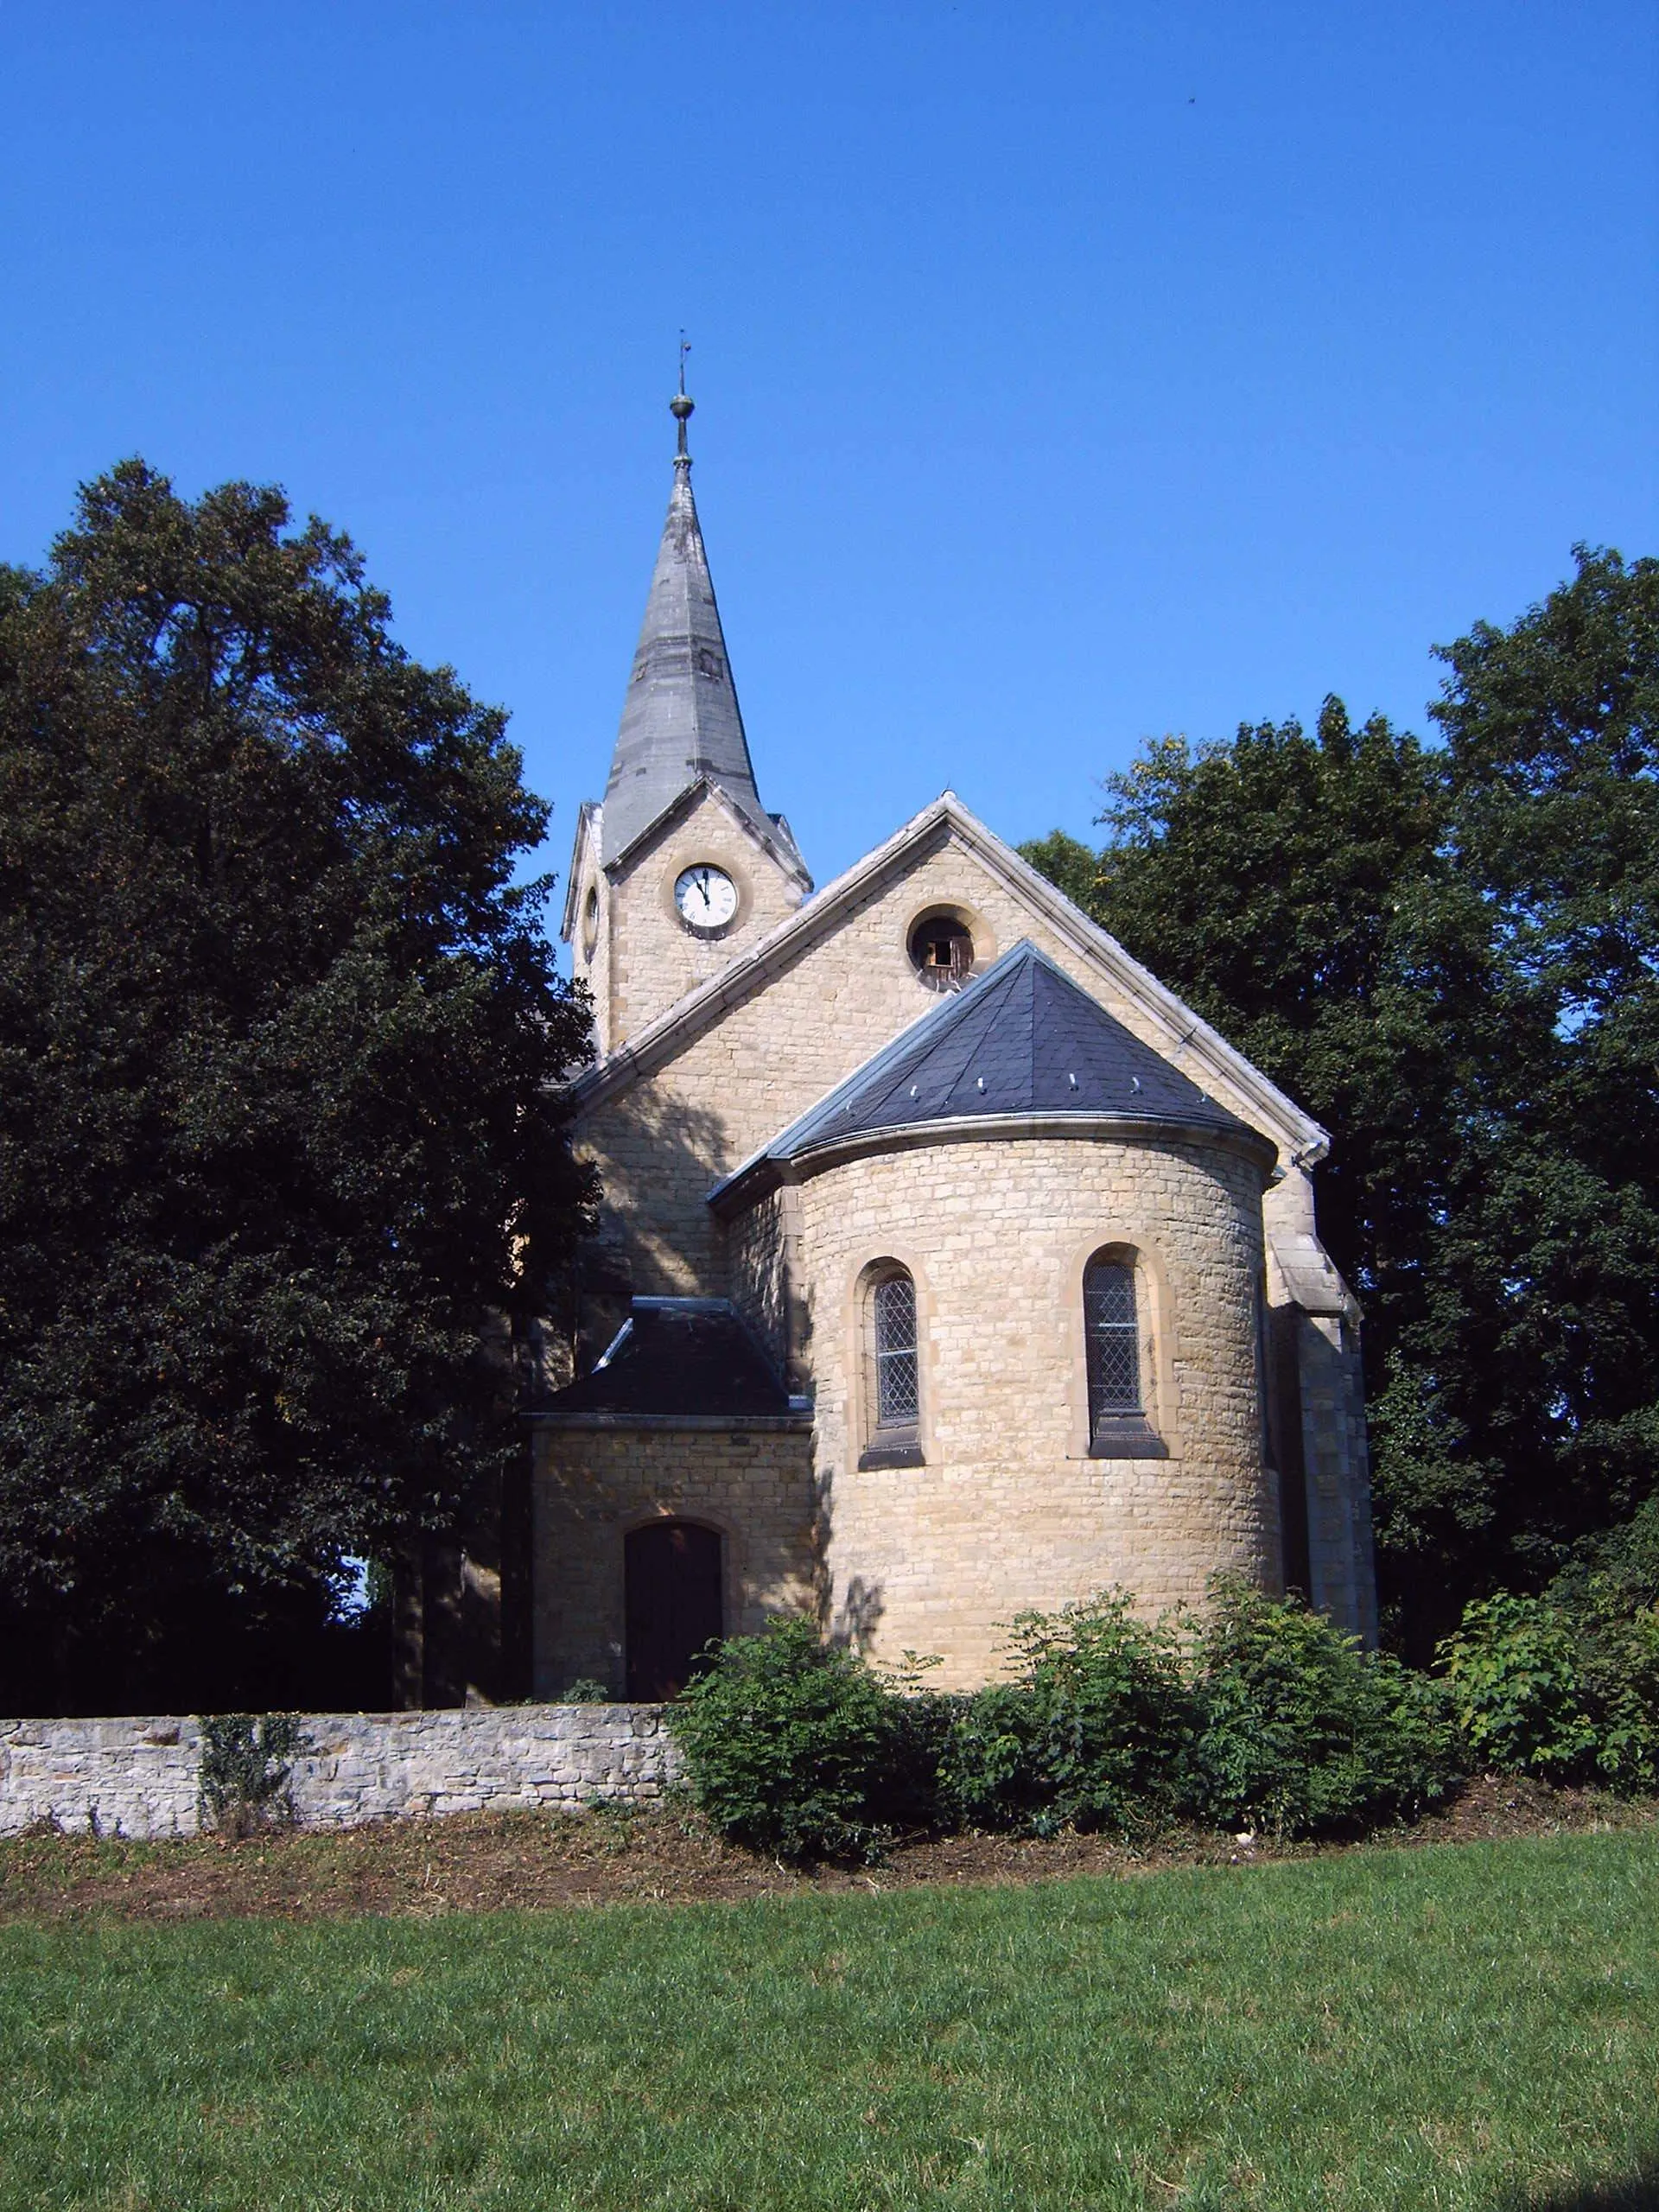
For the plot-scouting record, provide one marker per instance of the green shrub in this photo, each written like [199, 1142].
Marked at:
[1261, 1714]
[1299, 1732]
[1564, 1687]
[245, 1770]
[990, 1771]
[907, 1795]
[1610, 1595]
[1616, 1570]
[1515, 1687]
[787, 1742]
[583, 1690]
[1620, 1667]
[1091, 1733]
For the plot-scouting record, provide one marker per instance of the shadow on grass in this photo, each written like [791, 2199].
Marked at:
[1635, 2191]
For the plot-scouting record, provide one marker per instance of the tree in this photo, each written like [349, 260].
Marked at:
[277, 1039]
[1447, 955]
[1552, 730]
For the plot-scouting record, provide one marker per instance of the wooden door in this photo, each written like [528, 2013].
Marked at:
[673, 1604]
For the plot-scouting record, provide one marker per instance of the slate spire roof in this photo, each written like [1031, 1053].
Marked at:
[680, 722]
[1021, 1039]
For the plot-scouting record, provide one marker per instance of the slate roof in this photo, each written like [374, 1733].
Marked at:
[679, 1355]
[1021, 1039]
[681, 721]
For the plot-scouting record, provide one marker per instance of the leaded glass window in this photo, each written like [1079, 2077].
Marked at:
[897, 1397]
[1113, 1340]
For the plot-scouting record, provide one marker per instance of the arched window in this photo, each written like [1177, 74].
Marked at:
[1118, 1412]
[893, 1394]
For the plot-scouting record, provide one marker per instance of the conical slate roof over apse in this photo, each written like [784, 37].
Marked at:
[681, 721]
[1021, 1038]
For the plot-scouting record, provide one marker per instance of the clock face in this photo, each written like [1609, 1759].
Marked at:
[706, 897]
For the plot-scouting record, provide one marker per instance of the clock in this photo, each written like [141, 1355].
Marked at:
[706, 897]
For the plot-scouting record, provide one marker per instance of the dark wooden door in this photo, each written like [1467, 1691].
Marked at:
[673, 1604]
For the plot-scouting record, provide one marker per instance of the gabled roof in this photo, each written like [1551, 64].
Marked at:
[1192, 1045]
[681, 719]
[692, 1357]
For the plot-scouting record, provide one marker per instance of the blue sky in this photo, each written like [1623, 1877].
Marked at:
[1064, 376]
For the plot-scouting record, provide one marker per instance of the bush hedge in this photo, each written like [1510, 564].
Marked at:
[1300, 1732]
[1092, 1732]
[786, 1741]
[1254, 1713]
[1257, 1714]
[1565, 1686]
[245, 1770]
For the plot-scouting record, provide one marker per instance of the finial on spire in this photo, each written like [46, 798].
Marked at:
[680, 407]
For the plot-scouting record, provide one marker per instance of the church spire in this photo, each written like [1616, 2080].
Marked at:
[681, 719]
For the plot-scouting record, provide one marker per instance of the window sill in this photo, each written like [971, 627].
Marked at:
[1132, 1438]
[898, 1450]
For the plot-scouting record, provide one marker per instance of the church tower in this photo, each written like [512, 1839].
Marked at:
[681, 866]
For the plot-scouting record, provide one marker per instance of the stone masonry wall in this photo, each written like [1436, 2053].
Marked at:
[650, 957]
[593, 967]
[1342, 1575]
[1314, 1323]
[137, 1776]
[758, 1277]
[1008, 1511]
[592, 1486]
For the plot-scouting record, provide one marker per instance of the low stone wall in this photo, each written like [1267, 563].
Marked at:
[137, 1776]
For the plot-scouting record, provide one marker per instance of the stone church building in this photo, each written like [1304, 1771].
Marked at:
[949, 1265]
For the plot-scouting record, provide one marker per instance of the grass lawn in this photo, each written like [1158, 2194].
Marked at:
[1468, 2026]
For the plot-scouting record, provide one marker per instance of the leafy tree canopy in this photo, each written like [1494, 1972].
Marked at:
[1450, 954]
[276, 1033]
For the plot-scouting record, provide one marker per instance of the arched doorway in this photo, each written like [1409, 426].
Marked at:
[672, 1606]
